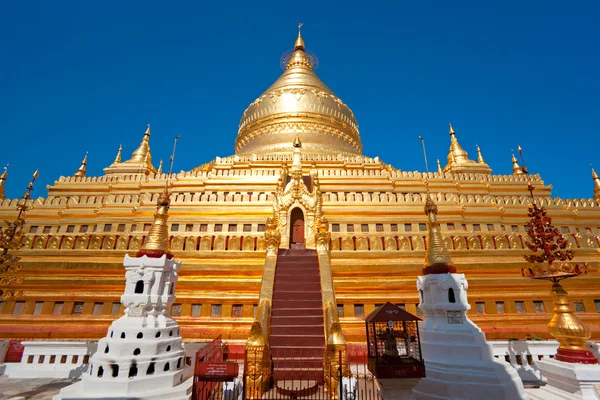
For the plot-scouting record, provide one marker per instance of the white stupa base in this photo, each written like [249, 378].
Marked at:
[487, 380]
[116, 390]
[568, 381]
[459, 363]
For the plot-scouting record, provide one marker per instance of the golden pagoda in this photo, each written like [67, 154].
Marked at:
[221, 220]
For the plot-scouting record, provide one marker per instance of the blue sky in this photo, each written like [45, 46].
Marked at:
[79, 76]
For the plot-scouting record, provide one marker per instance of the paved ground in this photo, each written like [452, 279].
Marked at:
[34, 389]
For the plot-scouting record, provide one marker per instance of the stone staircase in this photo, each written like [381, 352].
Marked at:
[297, 332]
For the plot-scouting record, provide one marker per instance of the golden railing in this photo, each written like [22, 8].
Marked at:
[257, 347]
[336, 355]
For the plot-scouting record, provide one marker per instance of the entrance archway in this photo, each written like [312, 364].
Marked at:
[297, 227]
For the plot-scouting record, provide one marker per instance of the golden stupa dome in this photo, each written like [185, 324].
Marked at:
[298, 104]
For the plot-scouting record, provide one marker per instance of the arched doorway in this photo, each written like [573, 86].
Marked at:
[297, 227]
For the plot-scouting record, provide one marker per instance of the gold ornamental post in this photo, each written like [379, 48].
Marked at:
[551, 262]
[8, 262]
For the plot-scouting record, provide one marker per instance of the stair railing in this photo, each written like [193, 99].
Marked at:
[258, 355]
[336, 355]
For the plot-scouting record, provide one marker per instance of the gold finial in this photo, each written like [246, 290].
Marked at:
[157, 241]
[140, 154]
[439, 167]
[297, 142]
[159, 171]
[517, 170]
[480, 159]
[437, 258]
[2, 180]
[456, 155]
[82, 170]
[596, 179]
[118, 157]
[299, 45]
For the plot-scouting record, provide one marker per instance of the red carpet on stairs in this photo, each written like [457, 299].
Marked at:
[297, 332]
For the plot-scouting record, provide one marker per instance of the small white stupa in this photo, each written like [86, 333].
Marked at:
[458, 361]
[142, 355]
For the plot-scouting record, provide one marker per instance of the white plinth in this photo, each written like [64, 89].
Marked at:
[51, 359]
[568, 381]
[459, 363]
[180, 392]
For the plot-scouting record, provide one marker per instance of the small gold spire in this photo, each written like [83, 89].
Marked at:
[118, 157]
[159, 171]
[456, 154]
[517, 170]
[157, 241]
[297, 142]
[596, 179]
[439, 167]
[299, 58]
[82, 170]
[480, 159]
[2, 180]
[437, 258]
[140, 154]
[299, 45]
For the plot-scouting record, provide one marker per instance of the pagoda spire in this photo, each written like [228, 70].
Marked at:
[460, 155]
[595, 177]
[437, 258]
[2, 181]
[439, 167]
[140, 154]
[82, 170]
[160, 165]
[118, 157]
[480, 159]
[517, 170]
[157, 241]
[299, 45]
[299, 58]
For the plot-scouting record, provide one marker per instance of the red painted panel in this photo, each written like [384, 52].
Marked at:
[216, 372]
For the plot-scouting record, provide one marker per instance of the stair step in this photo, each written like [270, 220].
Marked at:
[295, 364]
[289, 274]
[279, 352]
[297, 287]
[283, 303]
[297, 295]
[297, 267]
[297, 320]
[298, 340]
[290, 330]
[296, 312]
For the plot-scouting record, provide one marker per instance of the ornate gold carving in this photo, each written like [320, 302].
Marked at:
[258, 354]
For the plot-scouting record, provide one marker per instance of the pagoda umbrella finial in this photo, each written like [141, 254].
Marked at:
[437, 258]
[299, 45]
[82, 169]
[118, 157]
[517, 170]
[2, 181]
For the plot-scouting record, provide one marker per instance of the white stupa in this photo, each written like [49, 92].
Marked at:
[458, 361]
[142, 355]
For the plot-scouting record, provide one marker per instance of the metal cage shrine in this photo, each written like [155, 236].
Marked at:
[394, 346]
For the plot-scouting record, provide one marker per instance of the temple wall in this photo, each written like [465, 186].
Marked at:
[75, 240]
